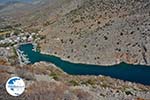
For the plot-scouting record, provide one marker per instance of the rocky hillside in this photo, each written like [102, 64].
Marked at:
[38, 13]
[102, 32]
[46, 82]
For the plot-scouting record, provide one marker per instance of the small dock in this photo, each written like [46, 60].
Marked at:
[34, 47]
[23, 60]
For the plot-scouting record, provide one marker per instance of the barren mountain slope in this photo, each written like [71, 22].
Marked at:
[38, 13]
[12, 12]
[102, 32]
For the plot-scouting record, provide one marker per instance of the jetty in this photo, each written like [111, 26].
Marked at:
[23, 60]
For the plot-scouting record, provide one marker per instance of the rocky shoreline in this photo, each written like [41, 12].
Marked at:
[82, 62]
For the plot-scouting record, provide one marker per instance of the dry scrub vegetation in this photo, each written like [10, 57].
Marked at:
[44, 81]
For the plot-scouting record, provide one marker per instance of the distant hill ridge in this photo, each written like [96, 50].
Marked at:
[6, 1]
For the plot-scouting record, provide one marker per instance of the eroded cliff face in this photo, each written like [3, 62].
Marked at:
[102, 32]
[44, 81]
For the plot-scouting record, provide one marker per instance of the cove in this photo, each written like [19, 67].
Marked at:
[123, 71]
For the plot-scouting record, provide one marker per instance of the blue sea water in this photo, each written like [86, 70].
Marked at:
[123, 71]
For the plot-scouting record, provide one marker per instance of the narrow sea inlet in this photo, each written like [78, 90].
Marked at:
[123, 71]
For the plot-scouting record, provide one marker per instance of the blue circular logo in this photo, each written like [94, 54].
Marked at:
[15, 86]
